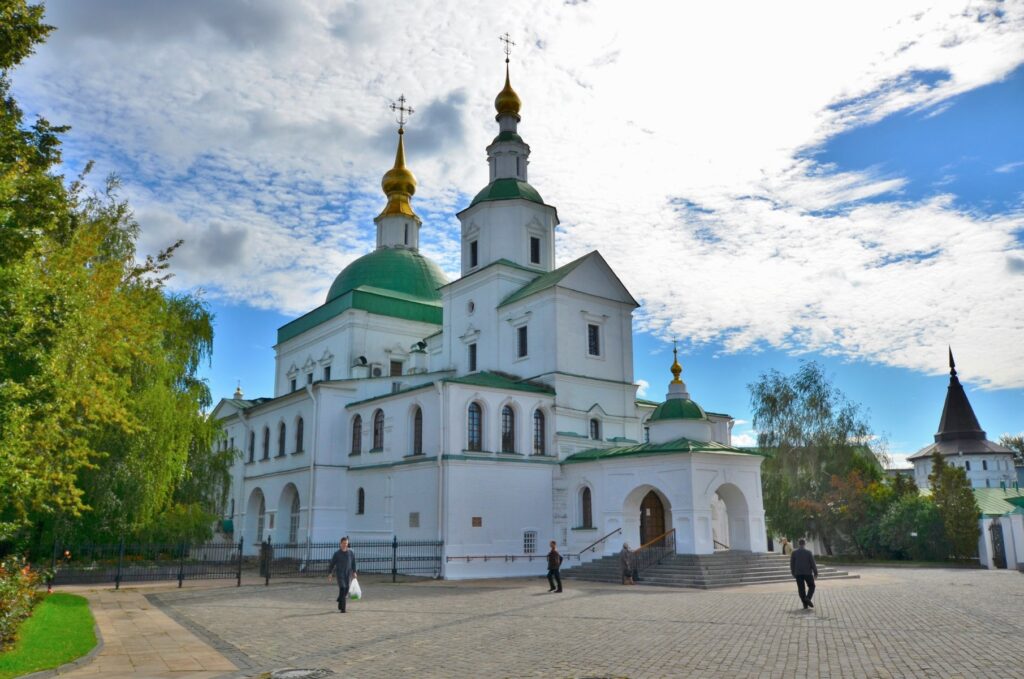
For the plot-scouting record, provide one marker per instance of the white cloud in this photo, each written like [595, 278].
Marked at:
[1010, 167]
[745, 440]
[672, 138]
[642, 387]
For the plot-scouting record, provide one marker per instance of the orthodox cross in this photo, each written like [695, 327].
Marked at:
[403, 112]
[507, 39]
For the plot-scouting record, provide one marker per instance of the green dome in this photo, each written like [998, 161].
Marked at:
[507, 189]
[396, 269]
[678, 409]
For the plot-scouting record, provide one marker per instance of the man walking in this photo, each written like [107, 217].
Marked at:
[343, 563]
[803, 568]
[554, 563]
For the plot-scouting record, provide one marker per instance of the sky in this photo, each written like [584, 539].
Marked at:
[775, 182]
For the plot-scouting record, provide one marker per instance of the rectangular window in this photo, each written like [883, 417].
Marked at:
[522, 347]
[293, 385]
[477, 521]
[472, 357]
[534, 250]
[984, 465]
[414, 519]
[327, 373]
[309, 378]
[967, 465]
[472, 254]
[529, 542]
[396, 369]
[406, 234]
[593, 339]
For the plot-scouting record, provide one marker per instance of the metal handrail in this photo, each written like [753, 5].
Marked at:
[654, 551]
[505, 557]
[595, 543]
[720, 544]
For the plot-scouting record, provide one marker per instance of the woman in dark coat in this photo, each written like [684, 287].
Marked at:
[627, 565]
[343, 563]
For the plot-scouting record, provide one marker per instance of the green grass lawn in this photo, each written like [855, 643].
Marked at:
[60, 630]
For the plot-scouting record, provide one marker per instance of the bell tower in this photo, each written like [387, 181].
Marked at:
[508, 219]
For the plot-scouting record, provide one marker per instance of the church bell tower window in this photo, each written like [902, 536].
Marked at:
[522, 344]
[534, 250]
[473, 254]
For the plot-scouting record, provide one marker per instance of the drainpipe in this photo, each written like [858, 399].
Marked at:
[312, 464]
[443, 441]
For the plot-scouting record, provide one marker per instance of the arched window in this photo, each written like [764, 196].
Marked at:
[417, 431]
[261, 518]
[298, 435]
[508, 430]
[586, 512]
[252, 446]
[266, 443]
[357, 435]
[595, 429]
[360, 502]
[378, 430]
[474, 430]
[293, 521]
[280, 439]
[538, 432]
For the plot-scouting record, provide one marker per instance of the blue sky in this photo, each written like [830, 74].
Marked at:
[812, 182]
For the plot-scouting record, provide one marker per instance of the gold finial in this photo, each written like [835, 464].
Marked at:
[238, 390]
[399, 183]
[676, 369]
[507, 102]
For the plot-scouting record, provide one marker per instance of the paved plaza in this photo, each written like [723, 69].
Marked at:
[892, 622]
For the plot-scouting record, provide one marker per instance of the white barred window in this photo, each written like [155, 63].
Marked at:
[529, 542]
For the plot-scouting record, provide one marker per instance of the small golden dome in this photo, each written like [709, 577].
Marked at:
[507, 102]
[399, 184]
[676, 369]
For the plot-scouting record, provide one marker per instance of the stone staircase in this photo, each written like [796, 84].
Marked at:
[705, 571]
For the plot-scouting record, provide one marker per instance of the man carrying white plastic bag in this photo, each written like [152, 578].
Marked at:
[344, 564]
[355, 592]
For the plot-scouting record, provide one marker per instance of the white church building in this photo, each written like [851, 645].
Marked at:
[494, 412]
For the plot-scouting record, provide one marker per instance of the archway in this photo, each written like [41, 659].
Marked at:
[255, 511]
[733, 520]
[286, 529]
[646, 514]
[652, 517]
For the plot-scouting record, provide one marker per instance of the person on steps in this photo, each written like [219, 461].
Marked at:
[627, 564]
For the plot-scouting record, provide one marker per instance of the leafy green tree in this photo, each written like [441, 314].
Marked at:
[954, 500]
[912, 528]
[101, 411]
[1014, 442]
[810, 432]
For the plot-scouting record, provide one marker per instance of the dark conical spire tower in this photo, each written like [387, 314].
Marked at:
[958, 419]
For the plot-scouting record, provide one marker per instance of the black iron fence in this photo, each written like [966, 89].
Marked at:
[133, 562]
[654, 552]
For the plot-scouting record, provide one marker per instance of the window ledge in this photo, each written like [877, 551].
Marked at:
[583, 528]
[355, 454]
[412, 455]
[298, 452]
[510, 452]
[376, 450]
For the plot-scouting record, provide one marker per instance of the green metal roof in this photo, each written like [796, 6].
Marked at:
[545, 281]
[394, 269]
[682, 445]
[507, 189]
[373, 300]
[499, 381]
[645, 402]
[508, 136]
[677, 409]
[998, 502]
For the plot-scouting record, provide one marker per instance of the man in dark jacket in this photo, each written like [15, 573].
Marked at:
[803, 568]
[343, 563]
[554, 563]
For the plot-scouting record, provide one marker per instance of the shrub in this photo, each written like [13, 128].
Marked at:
[18, 594]
[912, 528]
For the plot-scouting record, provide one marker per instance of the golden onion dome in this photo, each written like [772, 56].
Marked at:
[507, 102]
[676, 369]
[399, 184]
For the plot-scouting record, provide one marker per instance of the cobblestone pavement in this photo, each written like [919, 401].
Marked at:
[893, 622]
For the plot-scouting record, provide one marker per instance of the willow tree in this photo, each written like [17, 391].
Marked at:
[101, 409]
[810, 433]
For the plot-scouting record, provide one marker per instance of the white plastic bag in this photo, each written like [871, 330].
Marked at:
[355, 592]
